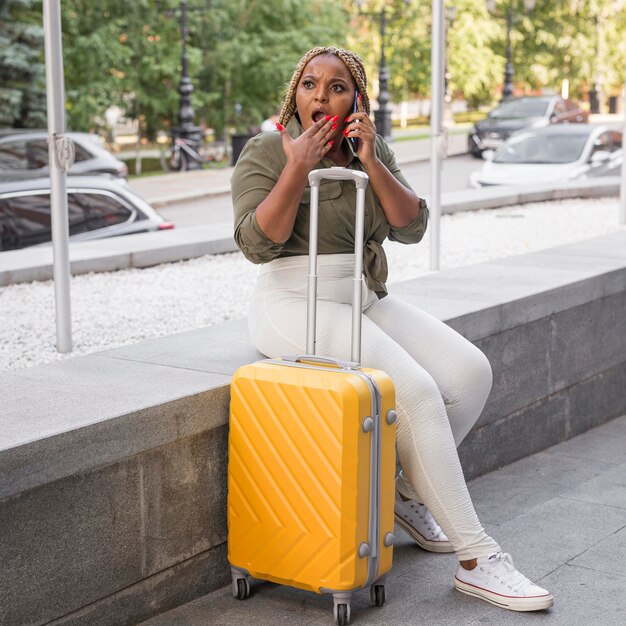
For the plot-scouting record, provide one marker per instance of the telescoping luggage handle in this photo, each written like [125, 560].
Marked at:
[360, 179]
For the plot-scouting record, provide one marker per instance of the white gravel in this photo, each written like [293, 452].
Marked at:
[118, 308]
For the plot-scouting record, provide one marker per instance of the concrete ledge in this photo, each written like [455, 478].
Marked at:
[147, 249]
[113, 465]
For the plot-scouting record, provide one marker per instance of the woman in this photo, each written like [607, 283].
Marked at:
[442, 380]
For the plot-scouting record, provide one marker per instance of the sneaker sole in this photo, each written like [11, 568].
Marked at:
[422, 542]
[536, 603]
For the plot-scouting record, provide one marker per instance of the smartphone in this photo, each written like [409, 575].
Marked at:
[354, 140]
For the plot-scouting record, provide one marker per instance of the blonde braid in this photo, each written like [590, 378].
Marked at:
[353, 62]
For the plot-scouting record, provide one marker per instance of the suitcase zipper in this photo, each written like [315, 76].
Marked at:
[375, 460]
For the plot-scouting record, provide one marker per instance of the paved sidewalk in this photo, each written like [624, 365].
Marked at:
[166, 189]
[561, 513]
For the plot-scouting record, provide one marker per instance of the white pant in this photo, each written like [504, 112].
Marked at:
[442, 380]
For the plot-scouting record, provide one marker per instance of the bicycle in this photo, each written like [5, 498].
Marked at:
[183, 153]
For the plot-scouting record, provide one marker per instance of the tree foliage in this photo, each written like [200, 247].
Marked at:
[250, 49]
[22, 70]
[122, 53]
[581, 40]
[241, 53]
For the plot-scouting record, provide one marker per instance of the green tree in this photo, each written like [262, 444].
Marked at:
[22, 70]
[249, 51]
[120, 53]
[474, 67]
[577, 40]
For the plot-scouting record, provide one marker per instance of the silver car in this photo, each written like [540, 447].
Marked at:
[97, 207]
[552, 155]
[24, 155]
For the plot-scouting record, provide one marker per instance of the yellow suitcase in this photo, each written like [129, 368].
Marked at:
[312, 459]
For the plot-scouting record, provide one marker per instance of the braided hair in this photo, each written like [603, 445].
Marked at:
[353, 62]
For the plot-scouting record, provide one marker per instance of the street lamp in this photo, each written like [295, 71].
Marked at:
[186, 130]
[382, 116]
[529, 5]
[448, 117]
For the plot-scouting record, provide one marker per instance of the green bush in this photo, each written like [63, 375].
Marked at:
[148, 164]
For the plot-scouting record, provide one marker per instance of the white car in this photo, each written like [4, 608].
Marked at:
[553, 154]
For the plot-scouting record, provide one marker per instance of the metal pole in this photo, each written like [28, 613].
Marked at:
[55, 90]
[382, 117]
[186, 129]
[622, 207]
[437, 136]
[507, 90]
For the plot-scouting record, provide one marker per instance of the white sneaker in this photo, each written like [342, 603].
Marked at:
[417, 520]
[496, 580]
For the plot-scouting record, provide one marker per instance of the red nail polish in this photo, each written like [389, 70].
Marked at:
[347, 119]
[345, 132]
[327, 117]
[279, 126]
[330, 143]
[335, 118]
[333, 127]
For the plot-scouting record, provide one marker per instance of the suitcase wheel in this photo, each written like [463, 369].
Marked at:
[241, 588]
[342, 614]
[377, 594]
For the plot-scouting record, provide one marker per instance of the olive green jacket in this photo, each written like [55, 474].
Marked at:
[257, 171]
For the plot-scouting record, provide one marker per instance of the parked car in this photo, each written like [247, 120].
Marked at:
[522, 113]
[24, 155]
[97, 207]
[553, 154]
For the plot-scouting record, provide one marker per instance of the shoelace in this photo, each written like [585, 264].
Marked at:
[424, 514]
[503, 570]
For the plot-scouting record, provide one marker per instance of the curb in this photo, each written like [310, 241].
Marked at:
[148, 249]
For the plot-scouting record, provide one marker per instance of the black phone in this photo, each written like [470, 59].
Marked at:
[354, 140]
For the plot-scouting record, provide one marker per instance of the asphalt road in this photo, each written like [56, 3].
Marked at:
[455, 176]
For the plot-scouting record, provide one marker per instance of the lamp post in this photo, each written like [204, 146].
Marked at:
[186, 129]
[529, 5]
[382, 116]
[448, 117]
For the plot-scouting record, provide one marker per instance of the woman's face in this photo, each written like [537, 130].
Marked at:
[326, 87]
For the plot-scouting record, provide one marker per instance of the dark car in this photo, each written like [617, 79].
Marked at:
[97, 208]
[525, 112]
[24, 155]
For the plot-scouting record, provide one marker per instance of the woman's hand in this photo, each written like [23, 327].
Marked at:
[361, 127]
[311, 146]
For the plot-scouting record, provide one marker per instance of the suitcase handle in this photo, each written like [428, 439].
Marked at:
[360, 179]
[346, 365]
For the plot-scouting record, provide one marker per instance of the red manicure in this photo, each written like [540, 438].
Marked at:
[345, 132]
[279, 126]
[330, 143]
[327, 117]
[333, 127]
[335, 118]
[347, 119]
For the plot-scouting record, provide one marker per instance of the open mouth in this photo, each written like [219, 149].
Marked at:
[318, 115]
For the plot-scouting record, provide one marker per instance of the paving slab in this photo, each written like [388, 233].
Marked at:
[583, 599]
[607, 556]
[545, 475]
